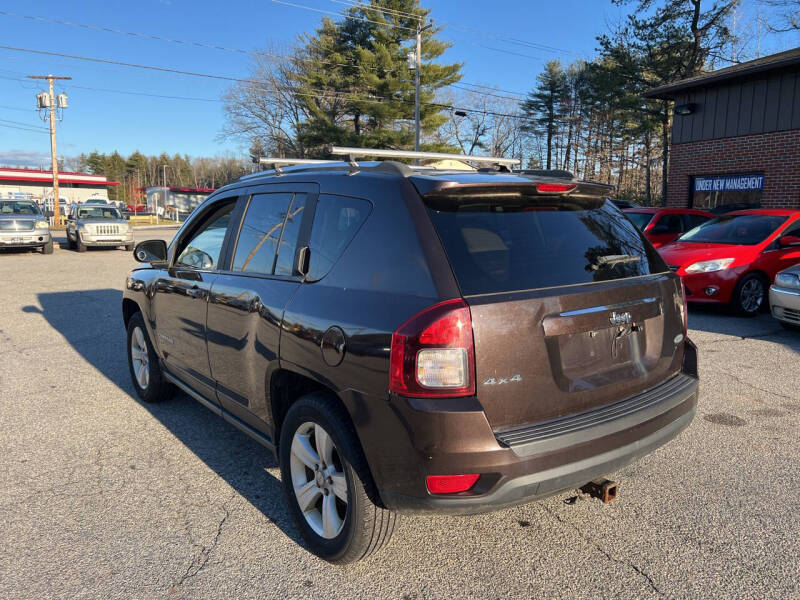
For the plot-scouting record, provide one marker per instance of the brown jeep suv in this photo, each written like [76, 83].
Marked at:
[409, 340]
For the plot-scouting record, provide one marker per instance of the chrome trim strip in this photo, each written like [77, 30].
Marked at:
[597, 309]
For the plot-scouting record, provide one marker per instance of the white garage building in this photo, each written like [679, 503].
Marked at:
[37, 185]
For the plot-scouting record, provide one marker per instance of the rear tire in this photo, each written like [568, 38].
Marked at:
[48, 247]
[749, 295]
[146, 375]
[322, 463]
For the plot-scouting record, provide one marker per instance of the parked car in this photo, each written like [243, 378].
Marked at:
[663, 225]
[784, 297]
[410, 340]
[136, 208]
[735, 206]
[96, 224]
[623, 204]
[733, 258]
[22, 225]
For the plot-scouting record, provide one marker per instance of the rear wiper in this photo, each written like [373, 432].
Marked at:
[609, 260]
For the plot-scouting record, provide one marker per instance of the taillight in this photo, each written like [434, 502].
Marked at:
[432, 353]
[682, 308]
[555, 188]
[450, 484]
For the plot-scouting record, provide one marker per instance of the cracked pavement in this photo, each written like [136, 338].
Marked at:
[104, 497]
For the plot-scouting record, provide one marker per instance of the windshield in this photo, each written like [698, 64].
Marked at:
[496, 244]
[19, 208]
[746, 230]
[640, 219]
[98, 212]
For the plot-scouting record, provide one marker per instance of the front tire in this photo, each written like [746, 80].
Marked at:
[324, 472]
[48, 247]
[145, 370]
[81, 246]
[129, 247]
[749, 295]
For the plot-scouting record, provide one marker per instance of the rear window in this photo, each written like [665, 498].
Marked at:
[499, 245]
[640, 219]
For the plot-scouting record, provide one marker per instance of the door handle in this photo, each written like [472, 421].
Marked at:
[195, 292]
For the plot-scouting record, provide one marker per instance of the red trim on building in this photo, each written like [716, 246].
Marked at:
[18, 170]
[67, 179]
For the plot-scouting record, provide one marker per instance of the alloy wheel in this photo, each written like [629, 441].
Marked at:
[318, 480]
[752, 295]
[140, 358]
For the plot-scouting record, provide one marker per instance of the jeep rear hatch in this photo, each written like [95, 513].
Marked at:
[571, 307]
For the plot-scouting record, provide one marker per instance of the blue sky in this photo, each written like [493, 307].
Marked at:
[105, 119]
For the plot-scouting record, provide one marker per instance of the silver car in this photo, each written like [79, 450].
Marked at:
[784, 297]
[22, 225]
[97, 225]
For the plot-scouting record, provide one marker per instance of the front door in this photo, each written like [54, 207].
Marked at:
[247, 302]
[180, 303]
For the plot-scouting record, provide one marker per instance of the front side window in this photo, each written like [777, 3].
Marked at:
[203, 248]
[640, 219]
[670, 224]
[261, 233]
[734, 229]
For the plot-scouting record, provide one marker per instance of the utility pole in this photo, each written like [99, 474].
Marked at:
[50, 102]
[417, 77]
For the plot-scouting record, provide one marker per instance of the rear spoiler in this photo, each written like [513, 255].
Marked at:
[512, 187]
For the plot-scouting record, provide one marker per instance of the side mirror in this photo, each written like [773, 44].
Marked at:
[787, 241]
[151, 251]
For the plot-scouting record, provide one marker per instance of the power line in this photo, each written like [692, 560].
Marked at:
[313, 93]
[343, 15]
[28, 129]
[150, 36]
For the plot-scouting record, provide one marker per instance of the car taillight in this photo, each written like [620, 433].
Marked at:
[682, 308]
[555, 188]
[433, 353]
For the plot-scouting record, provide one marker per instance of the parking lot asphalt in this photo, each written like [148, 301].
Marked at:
[102, 496]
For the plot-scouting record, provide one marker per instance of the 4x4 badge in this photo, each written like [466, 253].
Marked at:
[620, 318]
[502, 380]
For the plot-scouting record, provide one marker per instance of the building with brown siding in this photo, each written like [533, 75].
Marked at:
[736, 135]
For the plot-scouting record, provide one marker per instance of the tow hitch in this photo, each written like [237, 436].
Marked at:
[603, 489]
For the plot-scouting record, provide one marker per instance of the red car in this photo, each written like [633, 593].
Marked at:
[663, 225]
[733, 258]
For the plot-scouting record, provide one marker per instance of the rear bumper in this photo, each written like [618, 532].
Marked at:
[543, 460]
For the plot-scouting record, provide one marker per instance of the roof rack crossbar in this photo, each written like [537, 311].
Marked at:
[277, 163]
[354, 153]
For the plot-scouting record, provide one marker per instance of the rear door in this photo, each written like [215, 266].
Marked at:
[248, 299]
[571, 308]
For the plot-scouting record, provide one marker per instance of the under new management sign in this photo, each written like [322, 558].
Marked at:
[729, 183]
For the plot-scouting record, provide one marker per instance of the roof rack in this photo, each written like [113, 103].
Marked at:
[277, 163]
[354, 153]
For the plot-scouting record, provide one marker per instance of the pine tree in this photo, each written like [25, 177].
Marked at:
[355, 84]
[544, 105]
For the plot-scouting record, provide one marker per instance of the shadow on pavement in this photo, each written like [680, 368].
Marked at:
[91, 321]
[718, 319]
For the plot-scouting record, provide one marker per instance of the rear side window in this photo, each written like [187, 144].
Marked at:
[670, 224]
[261, 232]
[336, 221]
[500, 245]
[694, 220]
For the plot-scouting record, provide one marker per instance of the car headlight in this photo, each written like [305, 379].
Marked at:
[709, 266]
[42, 225]
[787, 280]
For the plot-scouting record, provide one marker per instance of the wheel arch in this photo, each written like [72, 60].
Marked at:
[286, 387]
